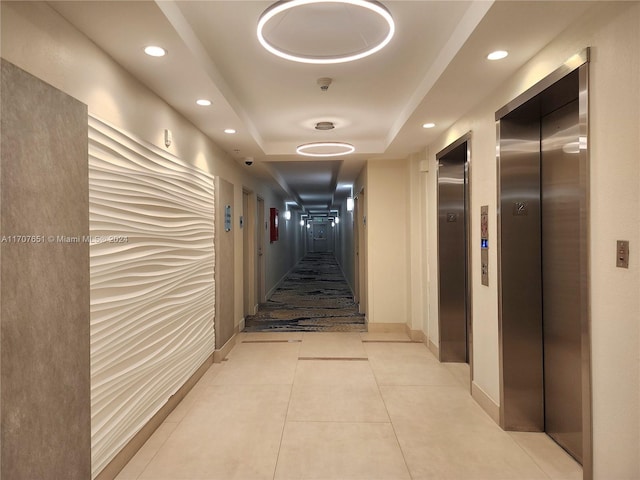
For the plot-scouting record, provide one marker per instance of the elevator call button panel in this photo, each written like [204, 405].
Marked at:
[484, 244]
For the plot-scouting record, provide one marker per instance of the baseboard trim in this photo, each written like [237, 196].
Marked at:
[241, 325]
[415, 335]
[433, 348]
[487, 404]
[387, 327]
[353, 294]
[220, 354]
[279, 282]
[113, 468]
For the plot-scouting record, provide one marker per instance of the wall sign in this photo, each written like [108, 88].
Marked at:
[227, 218]
[484, 245]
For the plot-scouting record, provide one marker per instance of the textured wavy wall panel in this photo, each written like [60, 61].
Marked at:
[152, 282]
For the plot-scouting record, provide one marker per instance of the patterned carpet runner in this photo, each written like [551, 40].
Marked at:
[314, 297]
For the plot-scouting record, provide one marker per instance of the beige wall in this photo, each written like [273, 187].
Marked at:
[416, 270]
[612, 31]
[283, 254]
[388, 257]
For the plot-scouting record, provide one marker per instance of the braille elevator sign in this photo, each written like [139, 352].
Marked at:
[452, 217]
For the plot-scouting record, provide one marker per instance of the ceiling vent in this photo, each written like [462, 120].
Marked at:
[325, 126]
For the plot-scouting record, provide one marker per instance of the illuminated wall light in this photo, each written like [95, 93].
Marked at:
[337, 220]
[302, 223]
[287, 214]
[350, 204]
[155, 51]
[333, 224]
[308, 225]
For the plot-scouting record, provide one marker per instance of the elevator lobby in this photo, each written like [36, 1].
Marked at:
[340, 405]
[320, 239]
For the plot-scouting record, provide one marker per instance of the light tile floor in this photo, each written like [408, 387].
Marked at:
[341, 406]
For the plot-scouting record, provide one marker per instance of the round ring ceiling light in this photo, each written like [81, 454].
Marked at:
[325, 149]
[325, 31]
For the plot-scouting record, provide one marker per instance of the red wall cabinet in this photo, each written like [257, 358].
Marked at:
[273, 224]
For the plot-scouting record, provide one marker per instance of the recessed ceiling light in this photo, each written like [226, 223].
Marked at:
[497, 55]
[325, 149]
[325, 126]
[203, 102]
[155, 51]
[283, 6]
[229, 130]
[428, 125]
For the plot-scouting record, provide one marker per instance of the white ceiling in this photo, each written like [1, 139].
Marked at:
[434, 69]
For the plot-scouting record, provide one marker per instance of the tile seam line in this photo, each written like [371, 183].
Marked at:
[286, 416]
[393, 428]
[529, 455]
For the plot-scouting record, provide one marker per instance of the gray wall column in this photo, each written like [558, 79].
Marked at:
[44, 275]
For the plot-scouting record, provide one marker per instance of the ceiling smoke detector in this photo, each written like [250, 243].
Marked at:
[325, 126]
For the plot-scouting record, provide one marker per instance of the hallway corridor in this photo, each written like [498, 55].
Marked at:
[313, 297]
[339, 406]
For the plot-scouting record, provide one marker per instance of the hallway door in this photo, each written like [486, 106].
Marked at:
[248, 254]
[225, 270]
[261, 229]
[320, 236]
[360, 252]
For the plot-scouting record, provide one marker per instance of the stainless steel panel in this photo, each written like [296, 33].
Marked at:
[561, 293]
[563, 215]
[520, 273]
[452, 255]
[585, 320]
[572, 65]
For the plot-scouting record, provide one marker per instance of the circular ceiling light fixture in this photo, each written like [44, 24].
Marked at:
[229, 131]
[498, 55]
[203, 102]
[155, 51]
[429, 125]
[325, 149]
[325, 31]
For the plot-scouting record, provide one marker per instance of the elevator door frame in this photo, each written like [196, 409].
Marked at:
[515, 415]
[465, 139]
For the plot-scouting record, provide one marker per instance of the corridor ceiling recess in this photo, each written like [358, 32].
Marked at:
[264, 79]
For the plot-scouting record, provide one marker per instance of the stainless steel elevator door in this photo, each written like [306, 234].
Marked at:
[452, 256]
[560, 204]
